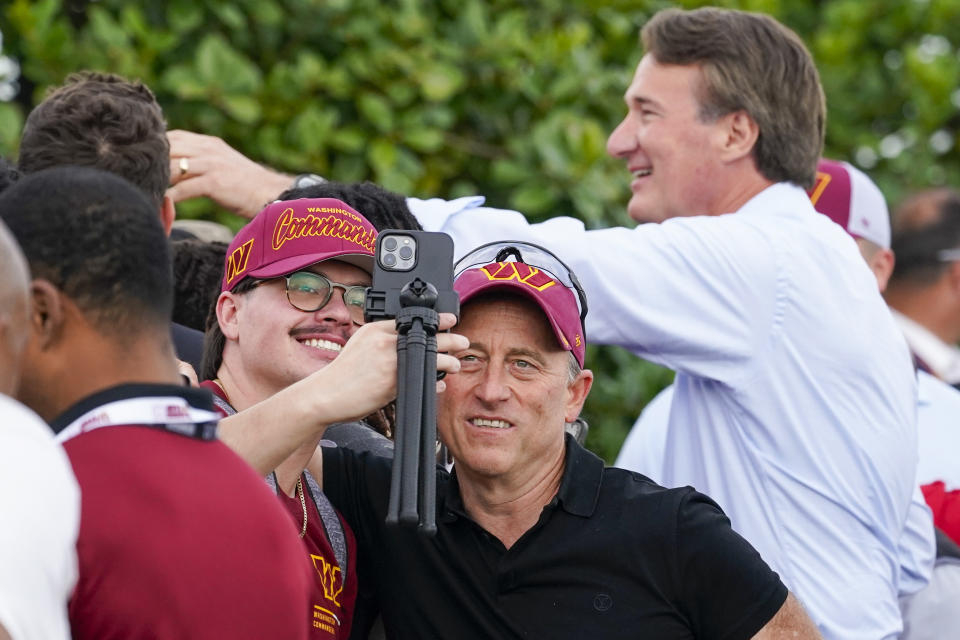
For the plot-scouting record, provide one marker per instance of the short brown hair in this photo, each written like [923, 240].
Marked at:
[100, 120]
[750, 62]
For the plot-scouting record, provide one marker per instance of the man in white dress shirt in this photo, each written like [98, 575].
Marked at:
[848, 197]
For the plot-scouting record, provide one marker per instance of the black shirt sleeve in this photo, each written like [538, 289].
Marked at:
[727, 590]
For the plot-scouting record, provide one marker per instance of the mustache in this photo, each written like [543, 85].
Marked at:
[328, 328]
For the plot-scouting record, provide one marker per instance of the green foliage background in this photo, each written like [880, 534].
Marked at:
[510, 99]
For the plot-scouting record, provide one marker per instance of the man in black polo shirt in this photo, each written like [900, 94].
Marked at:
[535, 537]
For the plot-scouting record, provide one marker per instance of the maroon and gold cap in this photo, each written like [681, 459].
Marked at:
[556, 300]
[289, 235]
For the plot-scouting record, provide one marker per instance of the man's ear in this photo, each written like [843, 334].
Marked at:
[46, 313]
[228, 309]
[738, 135]
[168, 213]
[577, 392]
[882, 264]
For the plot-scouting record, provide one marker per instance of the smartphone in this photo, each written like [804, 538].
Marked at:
[403, 256]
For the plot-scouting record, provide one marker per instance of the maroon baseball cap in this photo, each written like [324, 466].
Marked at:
[289, 235]
[556, 300]
[847, 196]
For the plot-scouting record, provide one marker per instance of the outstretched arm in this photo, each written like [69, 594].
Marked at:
[359, 381]
[217, 171]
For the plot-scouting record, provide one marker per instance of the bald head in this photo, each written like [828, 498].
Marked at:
[14, 306]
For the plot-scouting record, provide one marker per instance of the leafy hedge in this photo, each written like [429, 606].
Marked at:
[511, 99]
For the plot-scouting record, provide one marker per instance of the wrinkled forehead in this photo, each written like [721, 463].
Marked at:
[663, 83]
[508, 320]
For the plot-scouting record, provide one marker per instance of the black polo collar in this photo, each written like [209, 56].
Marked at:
[580, 486]
[197, 398]
[577, 495]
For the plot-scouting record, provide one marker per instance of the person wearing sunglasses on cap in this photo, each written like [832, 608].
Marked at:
[535, 538]
[292, 297]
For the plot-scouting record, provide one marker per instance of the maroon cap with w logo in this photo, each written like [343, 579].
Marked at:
[289, 235]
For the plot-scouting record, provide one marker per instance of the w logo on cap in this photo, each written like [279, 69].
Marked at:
[237, 260]
[820, 184]
[530, 276]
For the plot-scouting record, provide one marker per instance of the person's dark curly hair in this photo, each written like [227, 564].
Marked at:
[100, 120]
[197, 273]
[97, 238]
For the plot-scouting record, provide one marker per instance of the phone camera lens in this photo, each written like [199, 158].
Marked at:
[406, 252]
[389, 260]
[390, 243]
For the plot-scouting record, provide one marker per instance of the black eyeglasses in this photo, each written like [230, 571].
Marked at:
[309, 291]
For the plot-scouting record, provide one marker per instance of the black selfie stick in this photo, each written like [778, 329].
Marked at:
[413, 482]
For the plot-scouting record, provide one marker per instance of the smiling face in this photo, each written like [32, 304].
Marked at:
[502, 416]
[671, 152]
[272, 344]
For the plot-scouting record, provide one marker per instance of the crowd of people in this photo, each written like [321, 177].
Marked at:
[206, 421]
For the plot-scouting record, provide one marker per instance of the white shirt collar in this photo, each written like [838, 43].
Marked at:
[943, 358]
[781, 196]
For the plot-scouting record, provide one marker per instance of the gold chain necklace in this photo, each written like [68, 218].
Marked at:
[303, 503]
